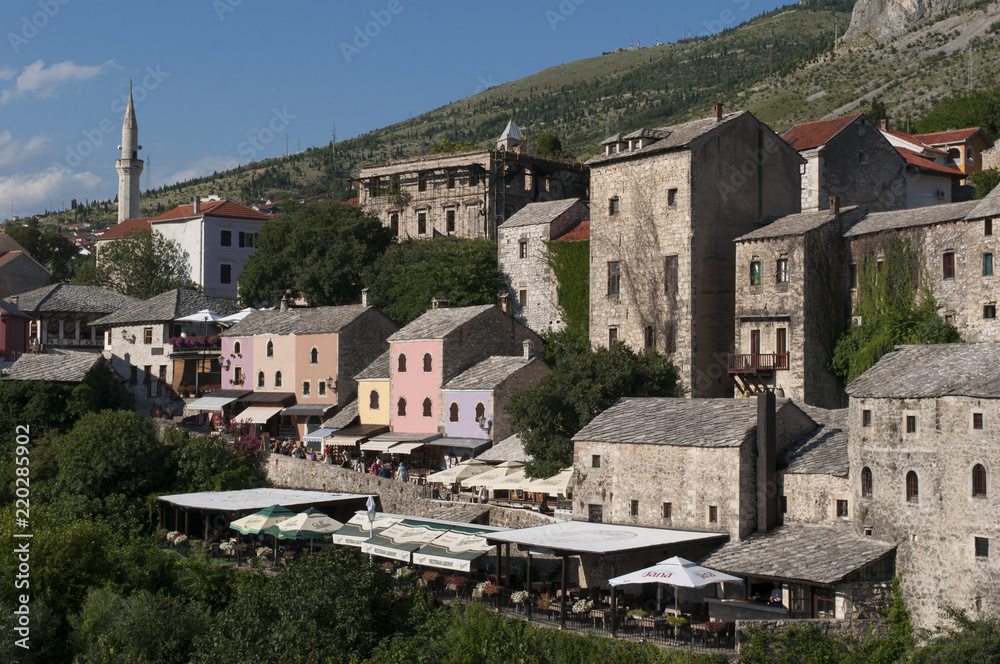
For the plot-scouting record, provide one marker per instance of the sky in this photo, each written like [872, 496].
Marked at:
[219, 83]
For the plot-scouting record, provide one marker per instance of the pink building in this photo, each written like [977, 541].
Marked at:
[13, 331]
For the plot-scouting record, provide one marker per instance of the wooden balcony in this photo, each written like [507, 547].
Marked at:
[749, 369]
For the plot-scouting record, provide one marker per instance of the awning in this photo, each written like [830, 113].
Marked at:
[257, 414]
[462, 443]
[455, 549]
[377, 445]
[401, 539]
[358, 528]
[514, 481]
[318, 435]
[308, 409]
[558, 483]
[353, 434]
[398, 443]
[277, 398]
[497, 473]
[210, 403]
[404, 448]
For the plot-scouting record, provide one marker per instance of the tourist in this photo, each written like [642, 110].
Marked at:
[401, 472]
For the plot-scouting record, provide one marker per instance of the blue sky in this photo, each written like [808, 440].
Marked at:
[218, 82]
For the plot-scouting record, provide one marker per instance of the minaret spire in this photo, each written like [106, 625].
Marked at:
[129, 167]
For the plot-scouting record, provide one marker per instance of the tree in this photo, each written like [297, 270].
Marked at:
[142, 264]
[985, 181]
[405, 278]
[48, 248]
[877, 111]
[581, 387]
[318, 251]
[975, 108]
[208, 464]
[964, 640]
[549, 146]
[445, 146]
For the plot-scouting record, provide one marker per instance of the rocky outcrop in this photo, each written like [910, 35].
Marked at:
[888, 18]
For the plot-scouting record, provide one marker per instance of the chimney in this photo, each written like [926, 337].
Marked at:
[440, 303]
[527, 349]
[284, 303]
[884, 124]
[505, 303]
[196, 205]
[366, 297]
[717, 111]
[835, 205]
[767, 485]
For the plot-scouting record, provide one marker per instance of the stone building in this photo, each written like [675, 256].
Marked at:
[465, 194]
[524, 260]
[930, 174]
[814, 472]
[666, 205]
[62, 315]
[129, 166]
[19, 271]
[923, 454]
[848, 157]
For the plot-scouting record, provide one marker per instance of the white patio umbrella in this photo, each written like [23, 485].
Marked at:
[674, 571]
[237, 317]
[558, 483]
[311, 524]
[498, 473]
[460, 471]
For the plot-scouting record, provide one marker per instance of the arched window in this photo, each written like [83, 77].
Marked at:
[866, 482]
[427, 362]
[480, 411]
[401, 363]
[978, 481]
[401, 407]
[277, 379]
[237, 348]
[373, 400]
[260, 379]
[270, 349]
[314, 356]
[427, 407]
[912, 488]
[453, 412]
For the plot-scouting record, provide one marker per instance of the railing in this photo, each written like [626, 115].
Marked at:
[757, 362]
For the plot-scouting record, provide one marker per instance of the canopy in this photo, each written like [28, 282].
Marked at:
[460, 471]
[401, 539]
[377, 445]
[308, 409]
[203, 316]
[558, 483]
[498, 473]
[674, 571]
[238, 316]
[404, 448]
[516, 480]
[210, 403]
[358, 528]
[258, 521]
[462, 443]
[257, 414]
[455, 549]
[311, 524]
[353, 434]
[318, 436]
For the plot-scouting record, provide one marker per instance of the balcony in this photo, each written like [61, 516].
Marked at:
[191, 344]
[748, 370]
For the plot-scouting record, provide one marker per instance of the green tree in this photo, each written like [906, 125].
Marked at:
[85, 270]
[205, 463]
[142, 264]
[405, 278]
[975, 108]
[445, 146]
[318, 251]
[895, 305]
[48, 248]
[962, 639]
[549, 146]
[877, 111]
[581, 387]
[985, 181]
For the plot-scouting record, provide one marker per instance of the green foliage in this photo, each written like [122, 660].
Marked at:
[985, 181]
[898, 640]
[896, 307]
[85, 270]
[796, 645]
[48, 248]
[319, 251]
[570, 262]
[549, 146]
[962, 639]
[445, 146]
[405, 278]
[142, 264]
[877, 111]
[974, 108]
[205, 463]
[578, 389]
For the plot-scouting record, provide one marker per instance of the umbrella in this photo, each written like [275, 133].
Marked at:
[311, 524]
[261, 520]
[515, 480]
[205, 316]
[490, 476]
[237, 317]
[460, 471]
[558, 483]
[674, 571]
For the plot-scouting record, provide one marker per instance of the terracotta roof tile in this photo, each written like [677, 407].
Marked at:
[9, 256]
[126, 227]
[923, 163]
[223, 208]
[953, 136]
[578, 233]
[809, 135]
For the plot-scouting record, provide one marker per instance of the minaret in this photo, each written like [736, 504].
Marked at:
[129, 166]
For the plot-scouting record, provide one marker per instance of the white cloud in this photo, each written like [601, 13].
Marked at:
[7, 73]
[44, 83]
[34, 192]
[16, 150]
[199, 168]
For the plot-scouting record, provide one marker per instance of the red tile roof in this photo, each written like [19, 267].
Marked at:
[9, 256]
[124, 228]
[579, 232]
[809, 135]
[913, 139]
[953, 136]
[223, 208]
[925, 164]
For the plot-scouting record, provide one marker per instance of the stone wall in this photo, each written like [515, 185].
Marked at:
[991, 158]
[125, 353]
[360, 344]
[812, 498]
[524, 378]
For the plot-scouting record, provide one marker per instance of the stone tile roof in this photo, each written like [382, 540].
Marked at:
[576, 234]
[344, 417]
[810, 135]
[73, 298]
[823, 451]
[307, 320]
[509, 449]
[59, 368]
[12, 310]
[378, 370]
[932, 371]
[452, 511]
[439, 323]
[488, 372]
[168, 306]
[798, 224]
[799, 552]
[533, 214]
[989, 206]
[677, 136]
[680, 422]
[876, 222]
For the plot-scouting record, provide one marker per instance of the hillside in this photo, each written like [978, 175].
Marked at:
[781, 65]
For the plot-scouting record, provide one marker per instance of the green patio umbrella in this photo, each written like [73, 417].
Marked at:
[311, 524]
[261, 520]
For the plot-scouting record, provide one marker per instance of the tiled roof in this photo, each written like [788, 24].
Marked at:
[989, 206]
[60, 368]
[488, 372]
[377, 370]
[798, 224]
[533, 214]
[932, 371]
[169, 306]
[345, 416]
[953, 136]
[823, 451]
[680, 422]
[439, 323]
[509, 449]
[12, 310]
[9, 256]
[576, 234]
[925, 164]
[223, 208]
[875, 222]
[809, 135]
[646, 133]
[73, 298]
[307, 320]
[799, 552]
[910, 138]
[124, 228]
[614, 138]
[677, 136]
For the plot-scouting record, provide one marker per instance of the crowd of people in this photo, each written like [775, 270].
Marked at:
[330, 456]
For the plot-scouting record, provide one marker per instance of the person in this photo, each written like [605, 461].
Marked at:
[436, 493]
[297, 452]
[345, 460]
[328, 457]
[311, 454]
[401, 472]
[386, 471]
[374, 467]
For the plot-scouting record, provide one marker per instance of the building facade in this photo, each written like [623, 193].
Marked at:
[63, 315]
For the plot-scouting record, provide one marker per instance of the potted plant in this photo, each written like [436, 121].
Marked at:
[519, 598]
[454, 583]
[544, 602]
[428, 578]
[583, 606]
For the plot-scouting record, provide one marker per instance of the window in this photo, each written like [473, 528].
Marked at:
[522, 249]
[982, 547]
[614, 206]
[825, 603]
[987, 227]
[667, 510]
[978, 481]
[422, 179]
[150, 381]
[453, 412]
[595, 513]
[649, 337]
[977, 421]
[238, 376]
[781, 276]
[251, 239]
[321, 388]
[401, 407]
[133, 375]
[225, 273]
[842, 511]
[912, 487]
[612, 336]
[878, 266]
[671, 197]
[373, 398]
[595, 460]
[713, 514]
[614, 277]
[948, 265]
[401, 364]
[227, 239]
[305, 388]
[450, 221]
[147, 335]
[270, 349]
[852, 276]
[987, 265]
[911, 424]
[277, 379]
[473, 177]
[869, 532]
[522, 298]
[866, 482]
[428, 362]
[670, 275]
[480, 411]
[866, 418]
[238, 348]
[755, 273]
[427, 407]
[34, 334]
[421, 223]
[989, 311]
[260, 379]
[451, 180]
[394, 223]
[781, 343]
[784, 504]
[314, 356]
[633, 508]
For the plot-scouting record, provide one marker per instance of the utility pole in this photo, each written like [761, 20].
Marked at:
[835, 32]
[286, 145]
[970, 70]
